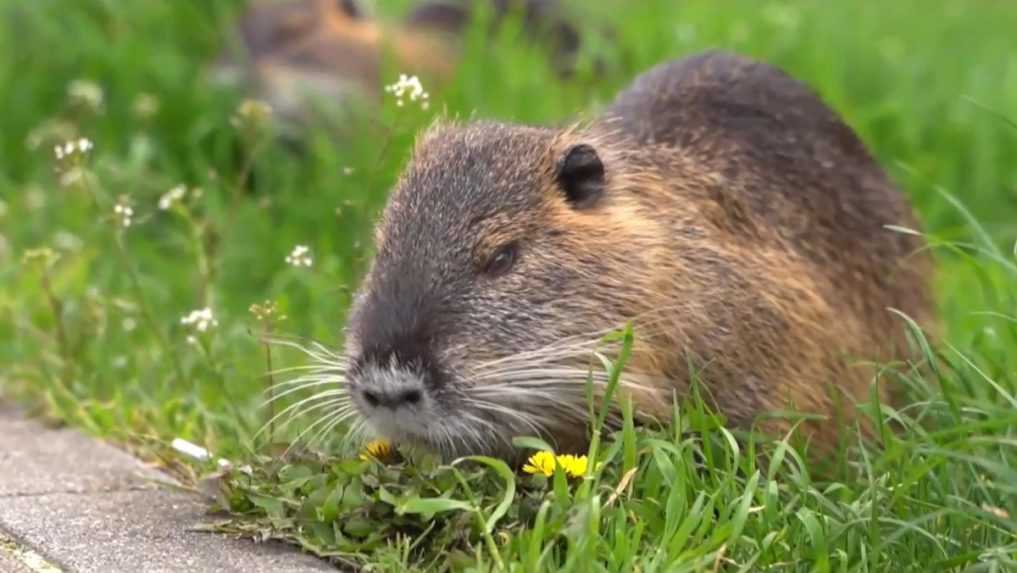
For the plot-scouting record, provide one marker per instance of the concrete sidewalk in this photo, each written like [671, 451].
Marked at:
[70, 503]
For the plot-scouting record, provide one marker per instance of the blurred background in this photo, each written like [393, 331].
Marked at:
[167, 164]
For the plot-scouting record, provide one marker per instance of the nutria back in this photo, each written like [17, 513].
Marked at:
[794, 166]
[718, 205]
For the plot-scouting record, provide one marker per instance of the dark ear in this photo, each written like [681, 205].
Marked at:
[441, 17]
[350, 8]
[581, 175]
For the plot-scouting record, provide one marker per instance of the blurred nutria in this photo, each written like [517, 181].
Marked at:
[717, 204]
[291, 50]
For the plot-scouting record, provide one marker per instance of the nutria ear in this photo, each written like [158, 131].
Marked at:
[581, 175]
[350, 8]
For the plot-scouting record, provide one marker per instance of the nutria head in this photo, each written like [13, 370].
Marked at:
[503, 256]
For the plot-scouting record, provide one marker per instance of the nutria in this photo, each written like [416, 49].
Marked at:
[717, 204]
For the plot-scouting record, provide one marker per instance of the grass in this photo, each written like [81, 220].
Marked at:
[90, 330]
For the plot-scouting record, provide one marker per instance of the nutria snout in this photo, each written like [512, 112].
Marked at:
[717, 205]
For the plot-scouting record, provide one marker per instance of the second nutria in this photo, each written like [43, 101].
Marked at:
[717, 204]
[294, 53]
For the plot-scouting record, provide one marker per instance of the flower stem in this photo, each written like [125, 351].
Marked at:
[146, 312]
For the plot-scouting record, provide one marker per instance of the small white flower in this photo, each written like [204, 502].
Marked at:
[124, 213]
[172, 196]
[35, 199]
[409, 87]
[200, 320]
[128, 324]
[86, 93]
[67, 241]
[347, 170]
[300, 257]
[66, 150]
[145, 106]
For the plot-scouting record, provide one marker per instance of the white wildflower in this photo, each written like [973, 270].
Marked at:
[86, 94]
[347, 171]
[35, 198]
[171, 197]
[300, 257]
[124, 213]
[66, 150]
[200, 320]
[72, 177]
[409, 86]
[129, 324]
[67, 241]
[145, 106]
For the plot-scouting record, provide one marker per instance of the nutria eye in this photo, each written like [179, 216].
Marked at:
[501, 261]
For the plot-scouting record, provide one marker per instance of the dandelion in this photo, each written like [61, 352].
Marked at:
[172, 197]
[380, 450]
[544, 463]
[200, 321]
[123, 212]
[300, 257]
[409, 86]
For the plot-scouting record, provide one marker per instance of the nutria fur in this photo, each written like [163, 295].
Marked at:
[717, 203]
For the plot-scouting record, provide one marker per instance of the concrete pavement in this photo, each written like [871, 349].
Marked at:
[71, 503]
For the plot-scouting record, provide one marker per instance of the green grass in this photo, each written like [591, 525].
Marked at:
[93, 338]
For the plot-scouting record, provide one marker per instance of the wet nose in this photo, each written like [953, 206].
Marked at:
[391, 398]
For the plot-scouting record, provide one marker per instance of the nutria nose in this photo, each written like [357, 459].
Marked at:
[391, 398]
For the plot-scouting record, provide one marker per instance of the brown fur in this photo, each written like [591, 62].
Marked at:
[742, 228]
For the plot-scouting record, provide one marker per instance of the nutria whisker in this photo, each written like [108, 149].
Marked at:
[536, 426]
[304, 385]
[311, 426]
[339, 416]
[319, 352]
[303, 368]
[294, 410]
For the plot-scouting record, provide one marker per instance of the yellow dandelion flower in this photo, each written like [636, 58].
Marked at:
[540, 463]
[380, 450]
[544, 463]
[575, 466]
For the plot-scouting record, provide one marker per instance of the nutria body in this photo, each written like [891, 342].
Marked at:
[717, 204]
